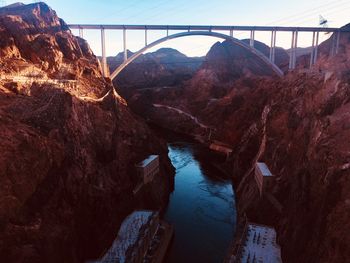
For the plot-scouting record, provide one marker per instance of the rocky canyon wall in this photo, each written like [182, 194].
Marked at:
[68, 145]
[298, 125]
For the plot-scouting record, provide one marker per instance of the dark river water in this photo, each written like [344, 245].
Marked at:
[201, 208]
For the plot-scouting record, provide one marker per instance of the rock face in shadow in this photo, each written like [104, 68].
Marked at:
[223, 66]
[297, 125]
[67, 154]
[165, 67]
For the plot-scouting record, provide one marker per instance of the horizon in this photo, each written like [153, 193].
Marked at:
[155, 12]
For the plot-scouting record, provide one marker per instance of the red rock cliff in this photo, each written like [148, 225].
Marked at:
[298, 125]
[66, 155]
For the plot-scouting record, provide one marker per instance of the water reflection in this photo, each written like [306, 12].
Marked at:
[201, 207]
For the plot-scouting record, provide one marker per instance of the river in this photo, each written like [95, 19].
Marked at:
[201, 208]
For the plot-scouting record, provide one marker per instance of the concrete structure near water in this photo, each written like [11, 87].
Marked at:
[220, 148]
[263, 177]
[148, 168]
[142, 238]
[257, 245]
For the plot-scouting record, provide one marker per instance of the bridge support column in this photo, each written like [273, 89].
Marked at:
[337, 43]
[124, 45]
[231, 32]
[273, 46]
[104, 58]
[81, 33]
[146, 37]
[332, 48]
[295, 49]
[316, 48]
[312, 49]
[291, 52]
[252, 36]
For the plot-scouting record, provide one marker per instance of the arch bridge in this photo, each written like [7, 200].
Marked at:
[210, 31]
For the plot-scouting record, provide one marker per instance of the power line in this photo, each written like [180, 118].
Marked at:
[337, 11]
[132, 5]
[176, 9]
[313, 10]
[159, 5]
[307, 13]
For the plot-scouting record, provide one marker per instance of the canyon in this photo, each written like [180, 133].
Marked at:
[71, 139]
[297, 124]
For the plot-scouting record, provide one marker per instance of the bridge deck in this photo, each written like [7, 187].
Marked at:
[209, 28]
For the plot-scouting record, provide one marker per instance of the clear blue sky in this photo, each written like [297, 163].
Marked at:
[197, 12]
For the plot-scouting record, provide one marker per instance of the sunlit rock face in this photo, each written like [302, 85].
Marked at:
[67, 154]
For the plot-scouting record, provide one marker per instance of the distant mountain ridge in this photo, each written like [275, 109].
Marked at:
[164, 67]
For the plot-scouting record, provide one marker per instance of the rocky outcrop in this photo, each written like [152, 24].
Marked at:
[69, 145]
[32, 38]
[303, 140]
[298, 125]
[224, 66]
[165, 67]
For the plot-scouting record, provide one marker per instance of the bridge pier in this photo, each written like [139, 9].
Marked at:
[81, 33]
[124, 45]
[316, 48]
[146, 37]
[293, 50]
[337, 42]
[252, 36]
[312, 49]
[273, 46]
[104, 58]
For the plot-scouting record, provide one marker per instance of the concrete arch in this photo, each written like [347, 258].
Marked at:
[236, 41]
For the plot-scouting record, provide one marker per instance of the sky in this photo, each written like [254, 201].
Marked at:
[196, 12]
